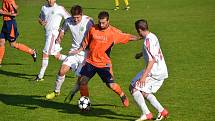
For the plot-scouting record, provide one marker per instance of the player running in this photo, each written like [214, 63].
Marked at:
[78, 25]
[150, 79]
[100, 39]
[50, 17]
[9, 30]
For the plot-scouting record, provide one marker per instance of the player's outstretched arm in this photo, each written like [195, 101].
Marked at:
[134, 37]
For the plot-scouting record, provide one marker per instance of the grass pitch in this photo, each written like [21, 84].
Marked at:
[187, 36]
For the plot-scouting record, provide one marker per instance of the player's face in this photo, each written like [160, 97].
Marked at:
[103, 23]
[141, 32]
[51, 2]
[77, 18]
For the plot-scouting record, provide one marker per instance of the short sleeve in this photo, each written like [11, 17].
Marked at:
[120, 37]
[65, 25]
[64, 13]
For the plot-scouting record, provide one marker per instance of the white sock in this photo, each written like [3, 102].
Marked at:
[153, 100]
[45, 63]
[59, 82]
[62, 57]
[138, 97]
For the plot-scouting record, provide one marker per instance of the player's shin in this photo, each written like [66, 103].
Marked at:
[2, 51]
[153, 100]
[22, 47]
[45, 63]
[83, 87]
[59, 82]
[139, 99]
[116, 88]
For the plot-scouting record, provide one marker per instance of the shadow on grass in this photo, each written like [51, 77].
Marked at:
[29, 77]
[34, 102]
[16, 74]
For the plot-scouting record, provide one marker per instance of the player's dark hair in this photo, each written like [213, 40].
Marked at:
[76, 10]
[141, 24]
[103, 15]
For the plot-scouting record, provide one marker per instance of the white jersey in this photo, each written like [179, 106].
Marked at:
[53, 16]
[152, 50]
[78, 31]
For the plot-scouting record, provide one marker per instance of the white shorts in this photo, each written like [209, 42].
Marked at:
[151, 85]
[75, 62]
[51, 48]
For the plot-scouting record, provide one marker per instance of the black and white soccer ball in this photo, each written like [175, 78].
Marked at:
[84, 103]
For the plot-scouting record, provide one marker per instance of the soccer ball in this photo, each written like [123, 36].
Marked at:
[84, 103]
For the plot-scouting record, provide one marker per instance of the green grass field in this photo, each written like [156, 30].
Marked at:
[186, 29]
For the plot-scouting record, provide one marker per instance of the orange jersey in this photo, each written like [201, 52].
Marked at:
[8, 6]
[100, 43]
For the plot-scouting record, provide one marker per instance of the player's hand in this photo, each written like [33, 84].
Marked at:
[1, 11]
[141, 83]
[138, 55]
[58, 40]
[14, 14]
[43, 22]
[73, 52]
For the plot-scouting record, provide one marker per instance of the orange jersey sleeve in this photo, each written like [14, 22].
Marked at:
[120, 37]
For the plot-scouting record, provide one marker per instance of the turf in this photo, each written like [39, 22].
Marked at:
[187, 36]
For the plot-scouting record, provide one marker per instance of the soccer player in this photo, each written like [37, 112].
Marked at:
[9, 30]
[117, 5]
[100, 39]
[78, 25]
[151, 78]
[50, 17]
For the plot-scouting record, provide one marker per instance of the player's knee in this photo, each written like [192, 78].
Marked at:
[83, 80]
[2, 42]
[61, 72]
[57, 56]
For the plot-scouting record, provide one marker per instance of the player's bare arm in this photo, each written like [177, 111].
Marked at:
[60, 37]
[142, 80]
[7, 13]
[134, 37]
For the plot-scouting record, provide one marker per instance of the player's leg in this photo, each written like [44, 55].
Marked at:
[45, 62]
[116, 5]
[139, 99]
[72, 93]
[126, 4]
[59, 81]
[154, 86]
[2, 41]
[60, 56]
[106, 75]
[87, 72]
[79, 61]
[57, 54]
[2, 49]
[13, 34]
[54, 48]
[47, 50]
[24, 48]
